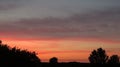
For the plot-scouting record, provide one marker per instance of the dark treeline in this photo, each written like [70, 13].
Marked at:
[15, 57]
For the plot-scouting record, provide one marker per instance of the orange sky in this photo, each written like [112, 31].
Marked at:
[65, 49]
[67, 29]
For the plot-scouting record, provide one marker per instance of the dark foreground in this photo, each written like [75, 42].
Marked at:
[78, 65]
[60, 65]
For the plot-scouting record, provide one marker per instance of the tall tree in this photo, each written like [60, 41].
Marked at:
[98, 56]
[114, 59]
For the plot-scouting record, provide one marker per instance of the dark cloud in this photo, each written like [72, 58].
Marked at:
[98, 24]
[4, 7]
[9, 4]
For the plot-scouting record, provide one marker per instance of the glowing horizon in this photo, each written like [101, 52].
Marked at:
[67, 29]
[63, 49]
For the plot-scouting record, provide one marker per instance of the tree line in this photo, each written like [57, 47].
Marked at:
[99, 56]
[17, 57]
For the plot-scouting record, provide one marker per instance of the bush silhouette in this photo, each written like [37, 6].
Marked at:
[114, 59]
[17, 57]
[53, 60]
[98, 56]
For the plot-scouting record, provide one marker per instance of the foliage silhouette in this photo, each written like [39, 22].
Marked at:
[0, 42]
[114, 59]
[53, 60]
[98, 56]
[17, 57]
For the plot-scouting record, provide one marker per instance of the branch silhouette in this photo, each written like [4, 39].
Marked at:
[114, 59]
[17, 57]
[98, 56]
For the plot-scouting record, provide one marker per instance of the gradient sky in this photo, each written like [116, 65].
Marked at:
[67, 29]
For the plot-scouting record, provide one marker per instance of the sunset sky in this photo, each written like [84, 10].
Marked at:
[67, 29]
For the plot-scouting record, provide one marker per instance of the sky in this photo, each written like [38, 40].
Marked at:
[67, 29]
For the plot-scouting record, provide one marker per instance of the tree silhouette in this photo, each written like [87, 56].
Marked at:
[0, 42]
[17, 57]
[53, 60]
[98, 56]
[114, 59]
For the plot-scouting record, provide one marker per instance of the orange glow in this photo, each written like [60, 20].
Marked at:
[65, 49]
[59, 39]
[66, 56]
